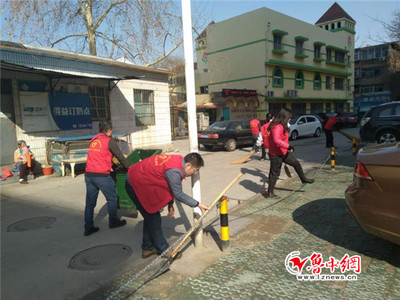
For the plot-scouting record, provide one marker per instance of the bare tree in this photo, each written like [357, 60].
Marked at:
[142, 31]
[392, 29]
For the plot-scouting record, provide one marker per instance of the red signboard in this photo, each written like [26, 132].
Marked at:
[238, 93]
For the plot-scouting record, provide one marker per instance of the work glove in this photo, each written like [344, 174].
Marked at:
[290, 149]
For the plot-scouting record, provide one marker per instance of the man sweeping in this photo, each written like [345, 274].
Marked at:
[153, 184]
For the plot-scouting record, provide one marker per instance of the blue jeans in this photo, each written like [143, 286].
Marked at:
[152, 231]
[107, 186]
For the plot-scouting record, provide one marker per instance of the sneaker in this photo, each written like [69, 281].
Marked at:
[117, 224]
[308, 180]
[148, 253]
[23, 181]
[90, 231]
[169, 254]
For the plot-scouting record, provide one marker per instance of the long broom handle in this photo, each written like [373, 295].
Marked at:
[177, 248]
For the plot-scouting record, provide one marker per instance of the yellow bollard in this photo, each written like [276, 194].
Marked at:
[332, 158]
[223, 211]
[354, 149]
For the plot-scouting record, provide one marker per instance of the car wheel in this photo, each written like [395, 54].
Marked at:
[387, 136]
[294, 135]
[230, 145]
[208, 147]
[317, 132]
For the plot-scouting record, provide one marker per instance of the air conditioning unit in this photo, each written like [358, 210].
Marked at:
[292, 93]
[270, 93]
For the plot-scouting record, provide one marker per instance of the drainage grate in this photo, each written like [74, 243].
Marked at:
[100, 257]
[32, 224]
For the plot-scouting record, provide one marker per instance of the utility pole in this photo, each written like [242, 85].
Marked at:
[191, 106]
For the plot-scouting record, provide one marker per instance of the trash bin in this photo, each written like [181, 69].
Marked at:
[124, 201]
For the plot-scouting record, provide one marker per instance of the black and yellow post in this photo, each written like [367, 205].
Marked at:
[332, 158]
[354, 141]
[223, 212]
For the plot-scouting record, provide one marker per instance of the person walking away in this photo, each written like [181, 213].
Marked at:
[102, 148]
[280, 151]
[255, 131]
[330, 125]
[152, 184]
[24, 161]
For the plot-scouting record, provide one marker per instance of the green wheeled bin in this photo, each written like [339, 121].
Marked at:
[124, 201]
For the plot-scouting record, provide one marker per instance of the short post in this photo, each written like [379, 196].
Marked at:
[332, 158]
[354, 149]
[223, 211]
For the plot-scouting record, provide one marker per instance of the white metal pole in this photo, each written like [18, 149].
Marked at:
[191, 103]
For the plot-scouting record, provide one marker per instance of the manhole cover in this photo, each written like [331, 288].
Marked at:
[100, 257]
[32, 224]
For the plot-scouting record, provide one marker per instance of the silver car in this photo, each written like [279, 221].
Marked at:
[306, 125]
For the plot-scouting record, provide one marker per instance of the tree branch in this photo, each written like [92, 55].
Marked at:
[66, 37]
[105, 13]
[166, 55]
[114, 42]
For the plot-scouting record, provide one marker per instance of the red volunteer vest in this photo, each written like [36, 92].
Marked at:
[255, 126]
[99, 155]
[148, 181]
[265, 134]
[331, 123]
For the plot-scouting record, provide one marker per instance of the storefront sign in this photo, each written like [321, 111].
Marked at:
[36, 114]
[238, 93]
[71, 111]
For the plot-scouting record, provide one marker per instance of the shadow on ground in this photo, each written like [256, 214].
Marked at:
[329, 220]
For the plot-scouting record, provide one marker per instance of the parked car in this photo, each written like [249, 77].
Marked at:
[228, 134]
[349, 119]
[373, 198]
[381, 123]
[305, 125]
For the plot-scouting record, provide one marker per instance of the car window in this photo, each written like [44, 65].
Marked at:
[218, 126]
[236, 125]
[397, 110]
[310, 119]
[246, 125]
[302, 120]
[293, 121]
[386, 112]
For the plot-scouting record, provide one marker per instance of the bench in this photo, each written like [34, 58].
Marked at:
[72, 162]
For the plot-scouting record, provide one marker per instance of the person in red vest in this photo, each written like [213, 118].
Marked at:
[102, 148]
[330, 125]
[153, 184]
[255, 131]
[280, 151]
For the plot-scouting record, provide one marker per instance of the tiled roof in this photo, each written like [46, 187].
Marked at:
[333, 13]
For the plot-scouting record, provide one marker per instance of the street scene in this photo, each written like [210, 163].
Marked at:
[169, 149]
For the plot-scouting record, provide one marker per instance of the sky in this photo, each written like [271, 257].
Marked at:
[368, 32]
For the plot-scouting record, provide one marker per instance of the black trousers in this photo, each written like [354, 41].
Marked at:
[276, 165]
[329, 138]
[23, 169]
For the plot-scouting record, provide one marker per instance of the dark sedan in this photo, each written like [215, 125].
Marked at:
[228, 134]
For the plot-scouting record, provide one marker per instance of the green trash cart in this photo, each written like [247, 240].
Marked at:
[124, 201]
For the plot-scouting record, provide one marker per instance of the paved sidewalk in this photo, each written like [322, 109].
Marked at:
[309, 219]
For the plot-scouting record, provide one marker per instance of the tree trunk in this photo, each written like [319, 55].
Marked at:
[88, 17]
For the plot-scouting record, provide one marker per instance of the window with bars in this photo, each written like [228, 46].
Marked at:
[100, 104]
[144, 107]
